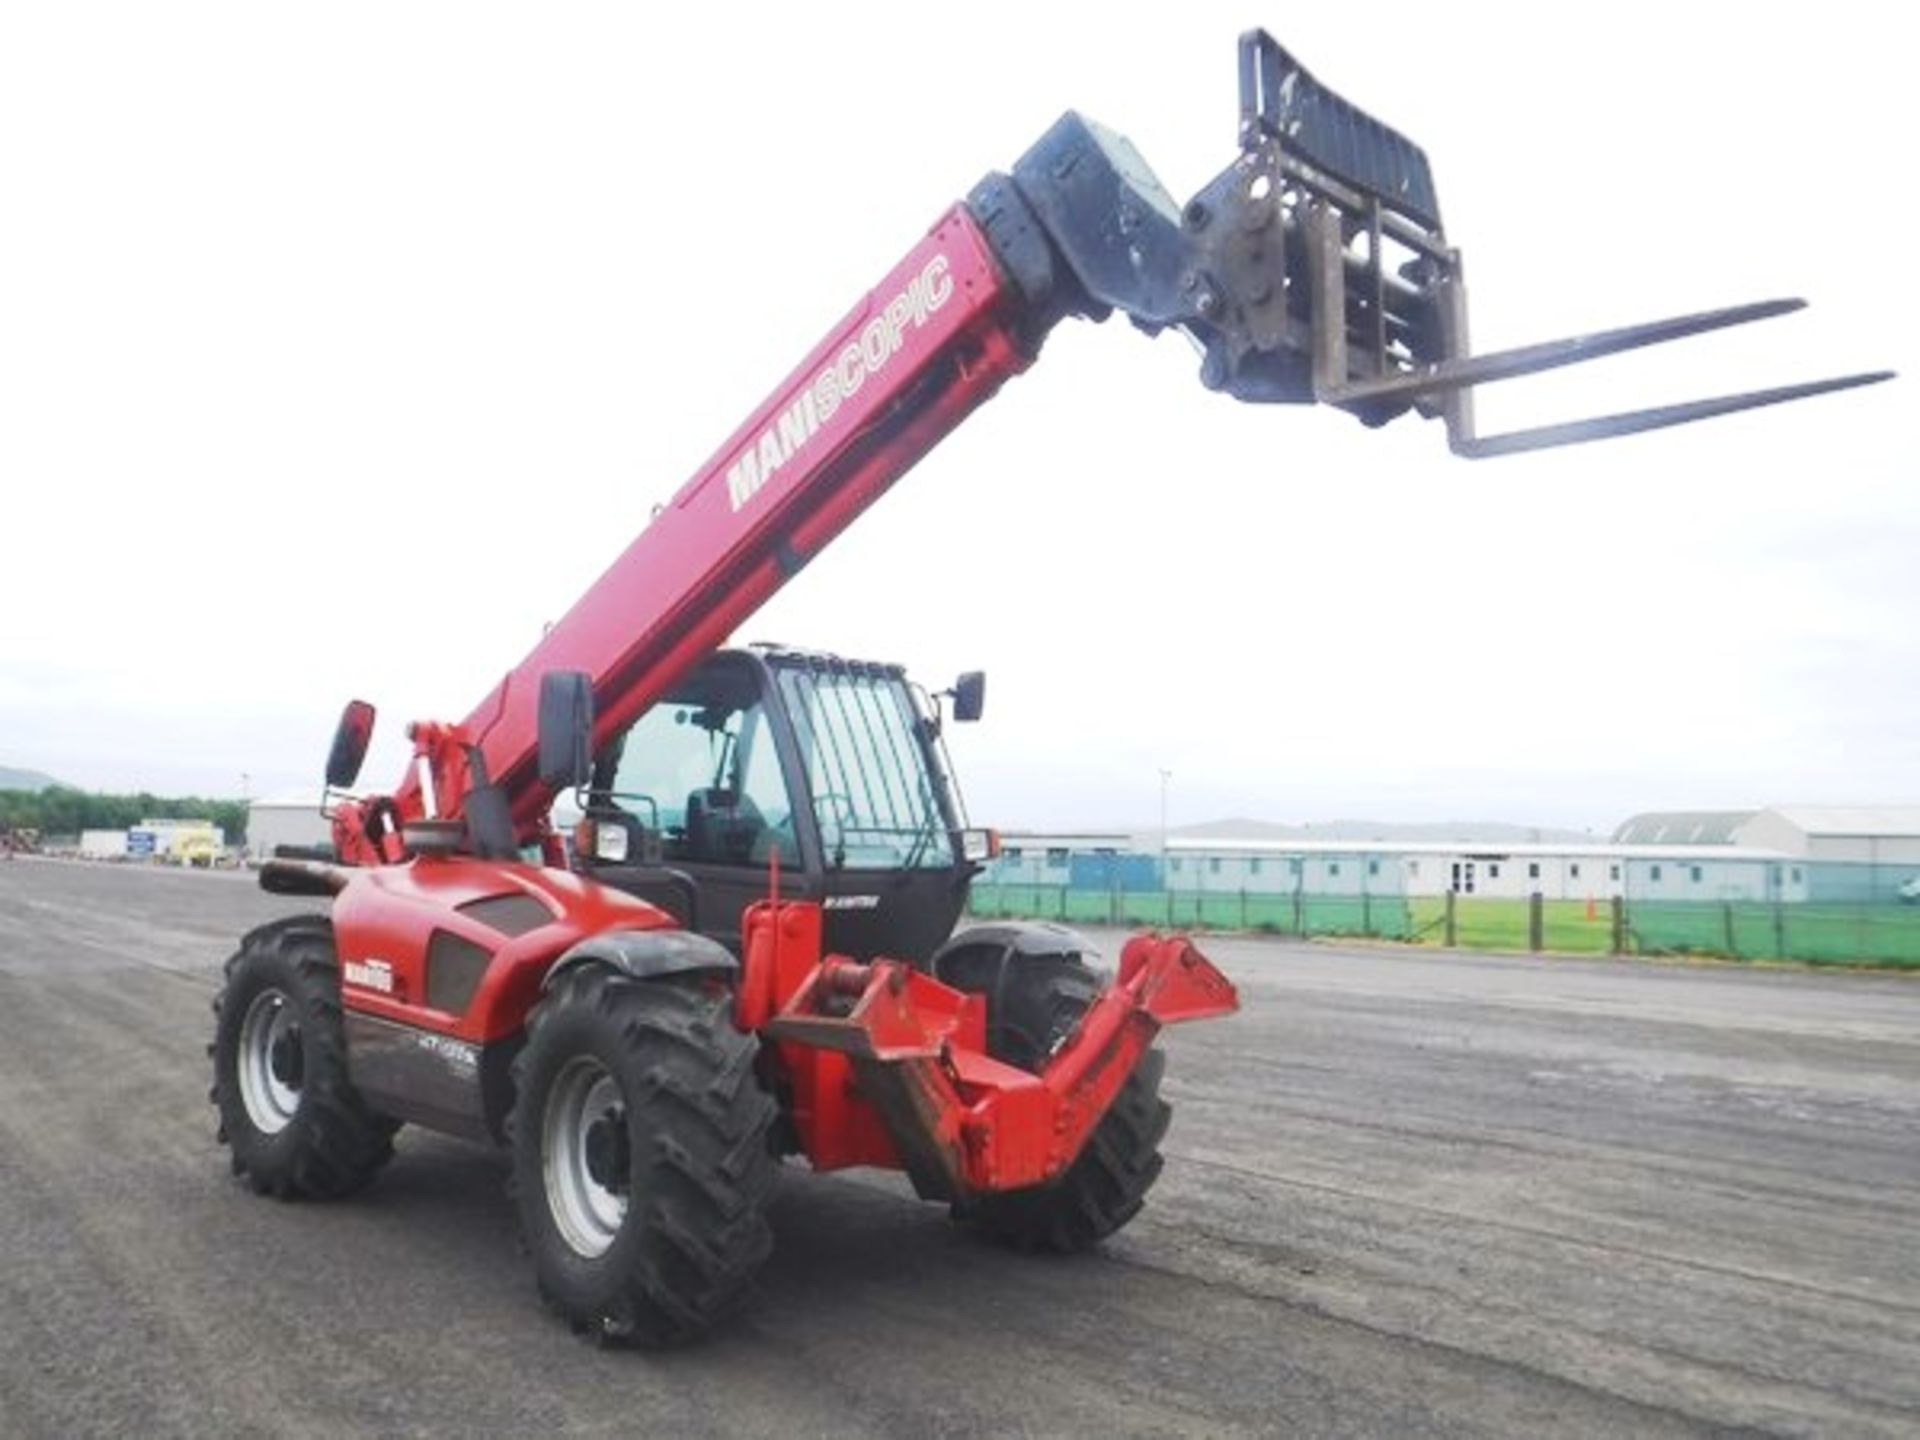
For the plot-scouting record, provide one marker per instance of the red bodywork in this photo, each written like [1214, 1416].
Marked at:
[881, 1065]
[385, 918]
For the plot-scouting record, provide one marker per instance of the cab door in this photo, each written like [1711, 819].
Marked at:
[884, 814]
[702, 778]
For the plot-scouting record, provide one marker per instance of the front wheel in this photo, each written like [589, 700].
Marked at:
[290, 1115]
[1034, 1001]
[640, 1160]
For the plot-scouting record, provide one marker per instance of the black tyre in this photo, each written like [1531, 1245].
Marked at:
[288, 1111]
[640, 1158]
[1034, 1001]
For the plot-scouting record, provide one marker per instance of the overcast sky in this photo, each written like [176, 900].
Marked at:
[341, 346]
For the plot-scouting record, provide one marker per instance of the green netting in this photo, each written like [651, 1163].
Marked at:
[1755, 930]
[1679, 926]
[1862, 934]
[1382, 916]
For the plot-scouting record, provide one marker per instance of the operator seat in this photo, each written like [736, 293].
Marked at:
[722, 826]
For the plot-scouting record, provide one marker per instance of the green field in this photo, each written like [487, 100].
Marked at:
[1863, 934]
[1570, 925]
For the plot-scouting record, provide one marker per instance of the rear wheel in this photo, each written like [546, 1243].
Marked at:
[290, 1115]
[1034, 1001]
[640, 1159]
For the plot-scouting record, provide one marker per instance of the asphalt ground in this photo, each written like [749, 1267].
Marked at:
[1406, 1193]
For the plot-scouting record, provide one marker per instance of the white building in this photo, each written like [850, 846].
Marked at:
[1553, 871]
[1861, 834]
[292, 820]
[1848, 853]
[103, 844]
[1044, 857]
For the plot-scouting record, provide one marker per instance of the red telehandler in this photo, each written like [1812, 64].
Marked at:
[746, 948]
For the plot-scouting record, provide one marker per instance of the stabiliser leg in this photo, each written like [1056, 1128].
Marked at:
[962, 1123]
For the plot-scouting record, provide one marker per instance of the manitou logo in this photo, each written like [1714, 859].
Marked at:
[370, 975]
[863, 356]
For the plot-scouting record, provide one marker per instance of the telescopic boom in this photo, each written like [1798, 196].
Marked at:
[1313, 269]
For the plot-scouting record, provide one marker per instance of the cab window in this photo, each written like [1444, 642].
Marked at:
[706, 773]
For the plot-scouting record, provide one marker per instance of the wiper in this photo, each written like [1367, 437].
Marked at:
[924, 836]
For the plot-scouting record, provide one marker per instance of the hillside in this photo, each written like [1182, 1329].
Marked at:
[24, 779]
[1479, 832]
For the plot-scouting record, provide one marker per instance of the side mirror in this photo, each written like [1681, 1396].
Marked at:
[350, 743]
[970, 695]
[566, 729]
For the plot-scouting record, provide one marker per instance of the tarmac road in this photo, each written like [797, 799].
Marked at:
[1405, 1193]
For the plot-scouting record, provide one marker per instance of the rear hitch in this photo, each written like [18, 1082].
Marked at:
[963, 1124]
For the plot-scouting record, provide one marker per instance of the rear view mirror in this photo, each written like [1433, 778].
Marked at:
[566, 729]
[350, 743]
[970, 695]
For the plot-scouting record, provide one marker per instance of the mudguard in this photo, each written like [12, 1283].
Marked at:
[1026, 938]
[646, 955]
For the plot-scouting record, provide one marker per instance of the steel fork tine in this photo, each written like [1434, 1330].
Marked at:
[1553, 354]
[1659, 417]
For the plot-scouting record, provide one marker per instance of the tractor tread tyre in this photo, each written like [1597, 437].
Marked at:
[1034, 1002]
[332, 1143]
[692, 1232]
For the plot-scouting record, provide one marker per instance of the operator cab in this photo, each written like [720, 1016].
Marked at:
[833, 768]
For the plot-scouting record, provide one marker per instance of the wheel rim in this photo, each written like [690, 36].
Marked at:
[584, 1156]
[271, 1061]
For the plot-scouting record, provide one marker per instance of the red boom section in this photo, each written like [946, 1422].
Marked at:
[932, 342]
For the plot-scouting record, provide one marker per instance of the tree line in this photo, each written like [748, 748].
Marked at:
[58, 810]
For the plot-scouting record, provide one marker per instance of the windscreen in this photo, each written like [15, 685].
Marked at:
[874, 797]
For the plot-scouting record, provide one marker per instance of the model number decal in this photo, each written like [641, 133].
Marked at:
[851, 902]
[370, 975]
[841, 379]
[456, 1053]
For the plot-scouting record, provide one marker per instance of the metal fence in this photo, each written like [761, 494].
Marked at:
[1814, 912]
